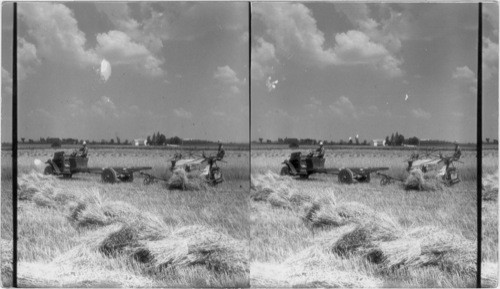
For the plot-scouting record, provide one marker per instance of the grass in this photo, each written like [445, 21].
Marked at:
[46, 234]
[278, 234]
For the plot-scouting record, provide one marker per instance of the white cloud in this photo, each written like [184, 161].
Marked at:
[490, 58]
[294, 32]
[263, 58]
[343, 107]
[104, 107]
[56, 33]
[6, 82]
[27, 58]
[182, 113]
[296, 36]
[420, 113]
[226, 75]
[228, 78]
[119, 49]
[464, 73]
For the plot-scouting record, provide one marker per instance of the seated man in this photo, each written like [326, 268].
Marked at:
[458, 152]
[83, 151]
[320, 152]
[220, 152]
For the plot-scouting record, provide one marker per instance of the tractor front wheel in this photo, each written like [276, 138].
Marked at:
[285, 171]
[49, 170]
[108, 175]
[346, 176]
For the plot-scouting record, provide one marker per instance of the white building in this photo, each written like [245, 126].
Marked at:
[140, 142]
[378, 142]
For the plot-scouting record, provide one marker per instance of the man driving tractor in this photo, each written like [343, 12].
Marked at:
[83, 151]
[320, 151]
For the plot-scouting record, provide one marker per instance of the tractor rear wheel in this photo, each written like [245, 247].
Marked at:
[346, 176]
[49, 170]
[285, 171]
[108, 175]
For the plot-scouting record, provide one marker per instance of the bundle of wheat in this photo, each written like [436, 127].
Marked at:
[489, 275]
[33, 182]
[490, 187]
[195, 245]
[180, 181]
[260, 194]
[40, 275]
[6, 262]
[427, 246]
[419, 181]
[298, 198]
[366, 235]
[332, 215]
[279, 200]
[312, 267]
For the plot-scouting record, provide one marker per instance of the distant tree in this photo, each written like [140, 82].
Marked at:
[357, 140]
[387, 141]
[365, 142]
[392, 140]
[112, 141]
[268, 141]
[280, 140]
[261, 139]
[31, 141]
[56, 143]
[495, 141]
[148, 141]
[118, 140]
[487, 140]
[341, 141]
[103, 141]
[350, 141]
[126, 142]
[413, 141]
[22, 139]
[42, 140]
[293, 145]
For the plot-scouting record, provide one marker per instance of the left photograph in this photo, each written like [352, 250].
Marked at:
[133, 144]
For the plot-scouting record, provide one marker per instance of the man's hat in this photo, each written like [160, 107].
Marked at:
[320, 143]
[84, 142]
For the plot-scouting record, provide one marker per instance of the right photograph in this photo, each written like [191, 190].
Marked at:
[364, 145]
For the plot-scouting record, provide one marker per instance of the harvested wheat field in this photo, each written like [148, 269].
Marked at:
[80, 232]
[316, 232]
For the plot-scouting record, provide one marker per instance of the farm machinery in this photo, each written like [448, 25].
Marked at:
[305, 165]
[67, 166]
[212, 172]
[448, 172]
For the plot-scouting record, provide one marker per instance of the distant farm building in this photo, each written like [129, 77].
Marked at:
[378, 142]
[140, 142]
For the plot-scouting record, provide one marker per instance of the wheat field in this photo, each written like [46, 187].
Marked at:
[47, 233]
[235, 239]
[280, 231]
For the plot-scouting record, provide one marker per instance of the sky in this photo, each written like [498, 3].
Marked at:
[128, 70]
[327, 71]
[331, 71]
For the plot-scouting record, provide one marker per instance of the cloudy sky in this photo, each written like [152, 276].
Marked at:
[331, 71]
[178, 68]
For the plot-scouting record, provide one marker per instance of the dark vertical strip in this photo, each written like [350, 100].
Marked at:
[479, 140]
[249, 120]
[14, 148]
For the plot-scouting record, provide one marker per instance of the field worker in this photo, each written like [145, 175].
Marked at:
[84, 150]
[320, 152]
[458, 152]
[220, 152]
